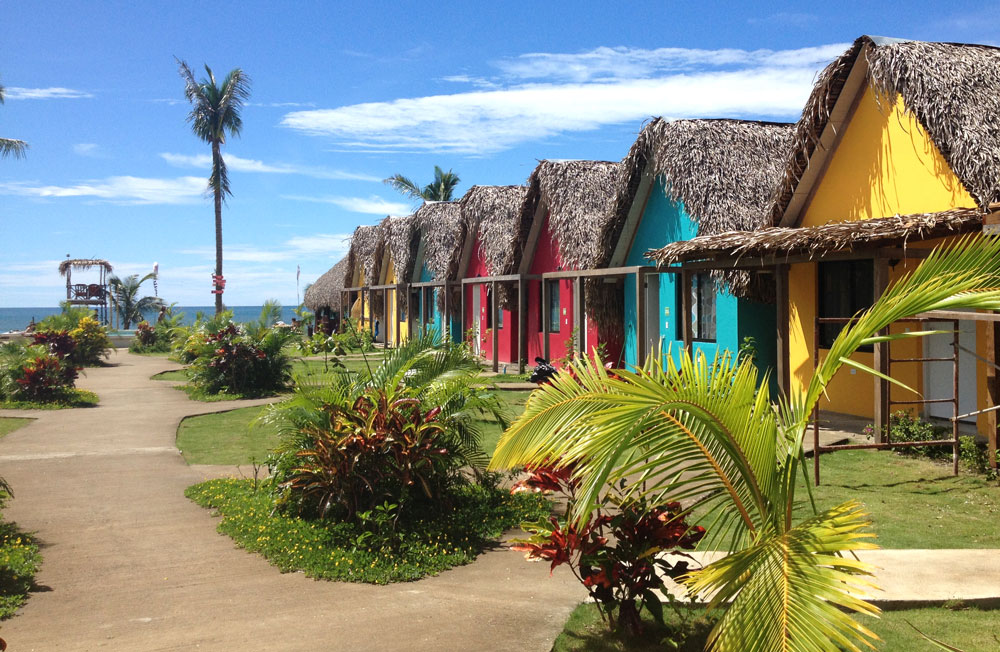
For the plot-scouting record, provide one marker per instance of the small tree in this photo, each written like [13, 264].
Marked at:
[128, 305]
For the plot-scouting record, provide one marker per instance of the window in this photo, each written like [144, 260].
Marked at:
[845, 287]
[553, 306]
[702, 308]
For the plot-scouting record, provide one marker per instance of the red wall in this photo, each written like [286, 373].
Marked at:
[506, 336]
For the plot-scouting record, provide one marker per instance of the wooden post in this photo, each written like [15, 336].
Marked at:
[992, 388]
[385, 318]
[399, 317]
[446, 315]
[461, 316]
[495, 309]
[880, 283]
[686, 326]
[784, 371]
[640, 319]
[578, 324]
[546, 324]
[522, 324]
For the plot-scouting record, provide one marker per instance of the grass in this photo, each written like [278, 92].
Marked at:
[74, 398]
[914, 502]
[19, 561]
[10, 424]
[179, 375]
[425, 544]
[967, 628]
[225, 438]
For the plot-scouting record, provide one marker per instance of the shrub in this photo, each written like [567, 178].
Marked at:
[904, 427]
[19, 561]
[232, 362]
[44, 378]
[92, 342]
[615, 554]
[152, 339]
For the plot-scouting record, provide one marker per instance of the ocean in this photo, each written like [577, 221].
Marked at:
[15, 319]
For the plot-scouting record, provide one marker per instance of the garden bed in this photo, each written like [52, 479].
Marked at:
[73, 398]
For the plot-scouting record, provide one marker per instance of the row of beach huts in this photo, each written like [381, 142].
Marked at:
[724, 235]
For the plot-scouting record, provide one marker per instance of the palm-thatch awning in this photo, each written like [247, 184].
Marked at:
[952, 89]
[443, 234]
[493, 215]
[83, 263]
[365, 255]
[776, 244]
[326, 291]
[722, 171]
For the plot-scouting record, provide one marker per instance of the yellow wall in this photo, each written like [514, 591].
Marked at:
[885, 164]
[392, 336]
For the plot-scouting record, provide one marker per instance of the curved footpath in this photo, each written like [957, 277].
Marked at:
[131, 564]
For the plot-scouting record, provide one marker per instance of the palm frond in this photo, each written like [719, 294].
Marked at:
[404, 186]
[13, 148]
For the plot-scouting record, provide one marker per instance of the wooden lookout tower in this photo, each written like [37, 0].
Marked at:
[93, 295]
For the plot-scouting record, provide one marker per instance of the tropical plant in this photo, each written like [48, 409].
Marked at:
[232, 360]
[789, 583]
[36, 372]
[92, 342]
[215, 112]
[440, 189]
[9, 146]
[125, 298]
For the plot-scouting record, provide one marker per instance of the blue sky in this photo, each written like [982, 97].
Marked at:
[346, 94]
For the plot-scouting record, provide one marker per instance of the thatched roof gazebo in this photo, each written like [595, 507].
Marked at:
[94, 295]
[325, 293]
[722, 171]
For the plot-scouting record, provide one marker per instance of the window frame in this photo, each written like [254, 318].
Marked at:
[857, 277]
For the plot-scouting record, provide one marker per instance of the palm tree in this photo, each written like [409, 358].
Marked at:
[128, 305]
[9, 146]
[789, 583]
[215, 112]
[440, 189]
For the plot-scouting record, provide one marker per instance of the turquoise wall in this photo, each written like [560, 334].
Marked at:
[436, 317]
[662, 222]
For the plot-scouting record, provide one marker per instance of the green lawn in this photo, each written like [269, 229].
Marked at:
[10, 424]
[969, 629]
[227, 438]
[73, 398]
[914, 502]
[179, 375]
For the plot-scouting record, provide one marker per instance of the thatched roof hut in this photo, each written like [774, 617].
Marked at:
[581, 198]
[952, 89]
[772, 244]
[84, 264]
[401, 240]
[364, 259]
[326, 291]
[442, 236]
[723, 172]
[494, 215]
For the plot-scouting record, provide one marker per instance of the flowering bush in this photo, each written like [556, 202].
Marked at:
[152, 339]
[231, 361]
[145, 333]
[59, 343]
[92, 342]
[45, 378]
[615, 554]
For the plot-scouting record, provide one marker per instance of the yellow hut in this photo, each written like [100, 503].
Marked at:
[395, 271]
[363, 264]
[897, 150]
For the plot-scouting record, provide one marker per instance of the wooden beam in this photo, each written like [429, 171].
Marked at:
[546, 325]
[522, 325]
[640, 319]
[607, 272]
[578, 314]
[686, 313]
[399, 316]
[882, 365]
[461, 316]
[783, 342]
[495, 309]
[993, 317]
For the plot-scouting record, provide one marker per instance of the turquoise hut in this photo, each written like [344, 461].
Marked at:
[695, 177]
[439, 252]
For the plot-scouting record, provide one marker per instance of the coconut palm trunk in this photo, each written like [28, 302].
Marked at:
[217, 164]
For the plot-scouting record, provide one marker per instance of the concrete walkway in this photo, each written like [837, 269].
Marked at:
[130, 564]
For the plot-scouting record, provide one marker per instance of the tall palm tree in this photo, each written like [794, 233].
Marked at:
[9, 146]
[215, 112]
[440, 189]
[789, 583]
[129, 306]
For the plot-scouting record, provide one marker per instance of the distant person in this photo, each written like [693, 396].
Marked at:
[31, 326]
[376, 328]
[162, 315]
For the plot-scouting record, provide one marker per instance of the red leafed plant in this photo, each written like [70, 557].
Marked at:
[145, 333]
[616, 553]
[59, 343]
[45, 378]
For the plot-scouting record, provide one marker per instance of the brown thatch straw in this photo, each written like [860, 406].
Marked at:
[493, 213]
[83, 263]
[401, 238]
[326, 291]
[952, 89]
[443, 233]
[581, 198]
[365, 255]
[722, 171]
[816, 241]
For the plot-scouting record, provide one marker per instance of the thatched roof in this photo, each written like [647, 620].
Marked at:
[365, 254]
[581, 198]
[443, 234]
[493, 213]
[952, 89]
[83, 263]
[816, 241]
[401, 237]
[723, 172]
[325, 292]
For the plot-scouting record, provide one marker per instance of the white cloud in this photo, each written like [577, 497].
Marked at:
[578, 92]
[53, 93]
[240, 164]
[318, 245]
[85, 149]
[373, 205]
[120, 190]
